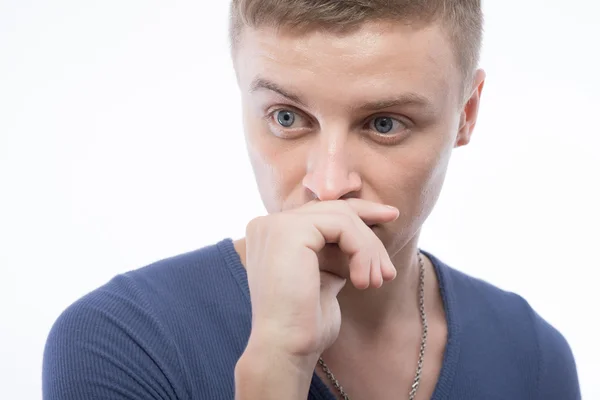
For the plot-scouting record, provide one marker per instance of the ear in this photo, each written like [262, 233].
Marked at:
[468, 116]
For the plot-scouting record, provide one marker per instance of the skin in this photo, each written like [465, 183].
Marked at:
[339, 89]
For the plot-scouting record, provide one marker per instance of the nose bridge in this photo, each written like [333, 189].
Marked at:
[329, 172]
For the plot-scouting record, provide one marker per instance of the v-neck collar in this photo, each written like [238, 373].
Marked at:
[318, 389]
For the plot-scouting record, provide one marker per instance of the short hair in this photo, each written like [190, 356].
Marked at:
[461, 19]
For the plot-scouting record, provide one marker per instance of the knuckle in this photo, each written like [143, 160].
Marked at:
[280, 220]
[344, 206]
[276, 224]
[347, 222]
[254, 225]
[273, 224]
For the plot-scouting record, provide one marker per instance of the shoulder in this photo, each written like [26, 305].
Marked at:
[503, 325]
[475, 300]
[204, 272]
[558, 376]
[125, 336]
[108, 343]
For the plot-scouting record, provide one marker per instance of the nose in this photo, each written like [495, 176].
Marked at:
[329, 174]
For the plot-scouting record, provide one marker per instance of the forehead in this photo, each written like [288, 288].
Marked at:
[378, 58]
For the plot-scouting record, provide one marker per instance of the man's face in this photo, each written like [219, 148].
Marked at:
[373, 114]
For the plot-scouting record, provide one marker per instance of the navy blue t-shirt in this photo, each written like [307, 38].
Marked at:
[175, 330]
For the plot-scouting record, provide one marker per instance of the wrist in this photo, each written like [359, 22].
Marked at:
[263, 353]
[271, 373]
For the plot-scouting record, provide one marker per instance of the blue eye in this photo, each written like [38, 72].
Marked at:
[285, 118]
[383, 124]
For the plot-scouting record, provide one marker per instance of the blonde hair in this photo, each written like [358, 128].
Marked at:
[462, 19]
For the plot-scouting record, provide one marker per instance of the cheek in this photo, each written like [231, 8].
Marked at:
[433, 181]
[277, 168]
[416, 178]
[266, 173]
[262, 154]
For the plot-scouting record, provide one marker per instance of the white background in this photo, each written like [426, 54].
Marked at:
[121, 144]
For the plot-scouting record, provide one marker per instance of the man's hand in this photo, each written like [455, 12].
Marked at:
[295, 312]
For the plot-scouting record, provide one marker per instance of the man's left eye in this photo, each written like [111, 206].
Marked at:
[385, 125]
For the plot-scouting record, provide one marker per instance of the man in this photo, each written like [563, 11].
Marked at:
[351, 112]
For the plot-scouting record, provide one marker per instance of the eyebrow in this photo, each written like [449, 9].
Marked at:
[261, 83]
[406, 99]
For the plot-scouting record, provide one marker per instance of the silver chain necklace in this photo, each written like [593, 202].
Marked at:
[417, 380]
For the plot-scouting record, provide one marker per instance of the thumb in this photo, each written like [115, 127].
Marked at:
[331, 285]
[330, 307]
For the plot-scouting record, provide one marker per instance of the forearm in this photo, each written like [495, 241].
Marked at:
[267, 375]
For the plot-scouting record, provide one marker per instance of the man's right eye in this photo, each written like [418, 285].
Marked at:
[288, 123]
[285, 118]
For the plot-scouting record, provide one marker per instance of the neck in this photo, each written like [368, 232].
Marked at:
[396, 302]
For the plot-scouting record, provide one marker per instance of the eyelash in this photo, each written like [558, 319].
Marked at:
[381, 137]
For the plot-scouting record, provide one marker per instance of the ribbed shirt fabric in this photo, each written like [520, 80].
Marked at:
[176, 328]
